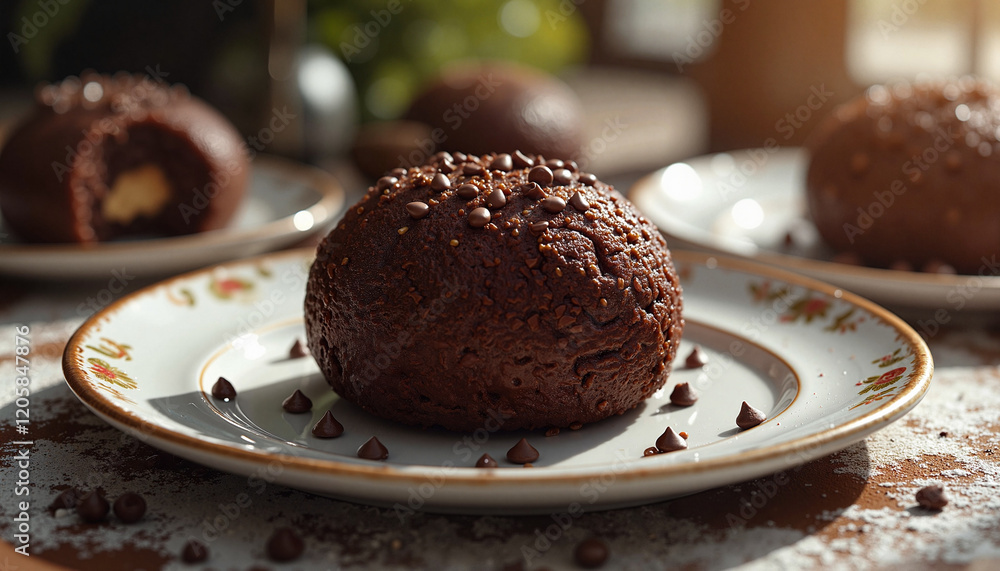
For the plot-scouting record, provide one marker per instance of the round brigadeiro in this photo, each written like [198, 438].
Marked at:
[555, 306]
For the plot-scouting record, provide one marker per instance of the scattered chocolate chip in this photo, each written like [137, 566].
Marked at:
[503, 162]
[532, 190]
[194, 552]
[683, 395]
[522, 452]
[696, 358]
[398, 172]
[651, 451]
[92, 507]
[670, 441]
[553, 204]
[373, 450]
[486, 461]
[541, 175]
[578, 202]
[552, 432]
[443, 156]
[440, 182]
[496, 199]
[130, 507]
[285, 545]
[223, 390]
[385, 182]
[471, 169]
[554, 164]
[479, 217]
[468, 191]
[562, 177]
[538, 227]
[327, 427]
[576, 426]
[683, 435]
[943, 433]
[591, 553]
[447, 167]
[749, 417]
[66, 500]
[459, 157]
[298, 350]
[297, 403]
[417, 209]
[932, 497]
[587, 178]
[522, 160]
[571, 166]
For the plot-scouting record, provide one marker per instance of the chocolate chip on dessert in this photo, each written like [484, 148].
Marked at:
[223, 390]
[932, 497]
[92, 507]
[471, 169]
[447, 167]
[591, 553]
[683, 395]
[486, 461]
[496, 199]
[66, 500]
[298, 350]
[194, 552]
[479, 217]
[297, 403]
[554, 164]
[553, 204]
[749, 417]
[532, 190]
[385, 182]
[440, 182]
[562, 177]
[541, 175]
[328, 427]
[285, 545]
[373, 450]
[522, 160]
[670, 441]
[398, 172]
[130, 507]
[538, 227]
[587, 178]
[522, 452]
[571, 166]
[579, 202]
[417, 209]
[696, 358]
[468, 191]
[459, 157]
[651, 451]
[503, 162]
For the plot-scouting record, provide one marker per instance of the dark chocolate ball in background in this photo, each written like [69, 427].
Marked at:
[520, 305]
[494, 107]
[906, 175]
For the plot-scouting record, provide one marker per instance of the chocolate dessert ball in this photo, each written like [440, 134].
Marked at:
[489, 107]
[103, 157]
[906, 175]
[502, 290]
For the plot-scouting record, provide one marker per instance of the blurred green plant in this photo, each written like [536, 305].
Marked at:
[392, 47]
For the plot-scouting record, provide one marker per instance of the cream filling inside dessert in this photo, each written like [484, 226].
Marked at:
[141, 191]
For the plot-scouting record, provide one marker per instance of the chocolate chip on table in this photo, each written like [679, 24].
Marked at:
[92, 507]
[696, 358]
[502, 162]
[578, 202]
[66, 500]
[486, 461]
[468, 191]
[562, 177]
[553, 204]
[223, 390]
[496, 199]
[683, 395]
[479, 217]
[554, 431]
[285, 545]
[591, 553]
[522, 160]
[749, 417]
[417, 209]
[541, 175]
[670, 441]
[194, 552]
[440, 182]
[297, 403]
[129, 507]
[651, 451]
[522, 452]
[328, 427]
[373, 450]
[298, 350]
[932, 497]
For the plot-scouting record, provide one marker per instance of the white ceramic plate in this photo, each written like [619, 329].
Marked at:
[828, 368]
[744, 203]
[285, 203]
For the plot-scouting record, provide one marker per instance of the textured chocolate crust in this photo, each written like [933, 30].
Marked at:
[563, 307]
[62, 163]
[907, 175]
